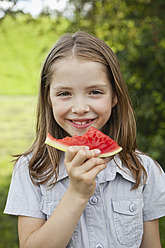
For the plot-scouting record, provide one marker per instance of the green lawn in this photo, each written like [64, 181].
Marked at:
[24, 43]
[17, 125]
[16, 131]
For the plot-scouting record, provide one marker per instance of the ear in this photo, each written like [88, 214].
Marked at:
[114, 101]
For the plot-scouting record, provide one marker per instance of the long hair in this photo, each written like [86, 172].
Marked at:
[44, 163]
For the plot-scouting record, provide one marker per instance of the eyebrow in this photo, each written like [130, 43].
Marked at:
[61, 88]
[89, 87]
[97, 86]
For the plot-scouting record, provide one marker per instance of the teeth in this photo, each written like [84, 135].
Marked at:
[80, 122]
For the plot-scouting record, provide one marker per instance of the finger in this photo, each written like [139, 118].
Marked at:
[83, 155]
[72, 151]
[90, 164]
[91, 174]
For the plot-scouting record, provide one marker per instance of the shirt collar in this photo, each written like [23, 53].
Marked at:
[113, 167]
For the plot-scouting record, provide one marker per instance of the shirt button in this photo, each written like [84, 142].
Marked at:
[132, 207]
[99, 246]
[93, 200]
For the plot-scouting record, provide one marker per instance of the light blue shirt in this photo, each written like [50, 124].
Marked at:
[114, 215]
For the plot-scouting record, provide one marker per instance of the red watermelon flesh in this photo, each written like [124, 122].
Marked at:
[93, 138]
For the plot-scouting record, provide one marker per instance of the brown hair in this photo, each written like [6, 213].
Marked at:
[44, 164]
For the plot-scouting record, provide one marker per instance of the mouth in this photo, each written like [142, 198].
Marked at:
[83, 123]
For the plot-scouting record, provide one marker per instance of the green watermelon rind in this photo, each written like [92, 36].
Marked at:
[58, 145]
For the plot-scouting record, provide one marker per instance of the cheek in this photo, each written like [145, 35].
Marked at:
[105, 112]
[103, 107]
[60, 109]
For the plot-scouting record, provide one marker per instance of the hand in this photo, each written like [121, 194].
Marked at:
[82, 166]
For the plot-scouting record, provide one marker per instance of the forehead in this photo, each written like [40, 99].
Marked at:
[79, 74]
[73, 65]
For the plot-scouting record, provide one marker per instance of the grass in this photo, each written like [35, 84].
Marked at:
[17, 132]
[24, 43]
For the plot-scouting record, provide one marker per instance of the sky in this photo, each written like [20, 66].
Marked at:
[34, 7]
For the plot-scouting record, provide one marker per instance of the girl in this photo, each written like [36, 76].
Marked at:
[77, 199]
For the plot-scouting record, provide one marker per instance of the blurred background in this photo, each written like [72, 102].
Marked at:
[134, 29]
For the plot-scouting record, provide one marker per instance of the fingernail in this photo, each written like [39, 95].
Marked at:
[97, 151]
[86, 148]
[70, 148]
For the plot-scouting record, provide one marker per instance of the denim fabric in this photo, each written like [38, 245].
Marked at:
[114, 215]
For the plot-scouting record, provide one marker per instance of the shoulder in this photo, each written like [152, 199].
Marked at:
[20, 175]
[22, 163]
[23, 196]
[155, 173]
[23, 160]
[150, 165]
[145, 159]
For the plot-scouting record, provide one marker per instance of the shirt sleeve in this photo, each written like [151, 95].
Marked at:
[154, 192]
[23, 197]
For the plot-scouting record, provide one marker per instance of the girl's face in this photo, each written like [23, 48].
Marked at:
[81, 95]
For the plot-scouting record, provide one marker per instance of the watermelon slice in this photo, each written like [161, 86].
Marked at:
[93, 138]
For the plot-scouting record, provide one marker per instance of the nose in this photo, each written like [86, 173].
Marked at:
[80, 106]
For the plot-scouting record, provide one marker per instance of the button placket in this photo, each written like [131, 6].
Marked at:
[99, 246]
[97, 220]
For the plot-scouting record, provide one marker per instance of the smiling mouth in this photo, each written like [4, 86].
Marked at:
[82, 123]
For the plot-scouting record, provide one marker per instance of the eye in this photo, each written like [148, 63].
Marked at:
[64, 93]
[96, 92]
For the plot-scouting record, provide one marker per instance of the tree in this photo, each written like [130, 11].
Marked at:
[135, 31]
[7, 7]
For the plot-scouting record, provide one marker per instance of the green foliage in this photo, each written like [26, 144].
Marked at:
[24, 43]
[17, 132]
[135, 31]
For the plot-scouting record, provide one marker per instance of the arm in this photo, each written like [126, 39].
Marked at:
[57, 230]
[82, 166]
[151, 238]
